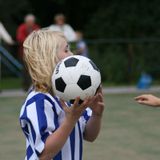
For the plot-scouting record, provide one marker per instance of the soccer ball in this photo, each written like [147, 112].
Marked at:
[75, 76]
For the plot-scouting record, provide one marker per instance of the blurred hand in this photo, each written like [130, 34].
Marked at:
[148, 99]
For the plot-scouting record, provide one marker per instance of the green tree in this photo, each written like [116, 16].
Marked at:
[12, 12]
[126, 19]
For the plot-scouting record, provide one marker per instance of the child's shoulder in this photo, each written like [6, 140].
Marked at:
[38, 102]
[41, 99]
[38, 96]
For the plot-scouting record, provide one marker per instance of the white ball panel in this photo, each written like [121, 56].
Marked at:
[88, 92]
[73, 75]
[72, 91]
[96, 78]
[61, 95]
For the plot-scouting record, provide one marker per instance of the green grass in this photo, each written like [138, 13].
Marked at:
[12, 141]
[129, 131]
[10, 83]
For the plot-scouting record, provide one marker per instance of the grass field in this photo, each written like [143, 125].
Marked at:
[129, 131]
[10, 83]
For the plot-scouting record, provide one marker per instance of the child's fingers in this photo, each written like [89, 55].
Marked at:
[63, 104]
[142, 102]
[99, 89]
[101, 104]
[100, 97]
[85, 102]
[144, 96]
[76, 102]
[140, 97]
[139, 100]
[93, 99]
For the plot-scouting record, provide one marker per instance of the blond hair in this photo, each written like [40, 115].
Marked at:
[40, 55]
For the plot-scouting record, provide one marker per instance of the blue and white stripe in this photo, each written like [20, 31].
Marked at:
[40, 116]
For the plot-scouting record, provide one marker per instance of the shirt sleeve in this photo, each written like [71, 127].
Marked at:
[85, 117]
[70, 33]
[81, 45]
[42, 122]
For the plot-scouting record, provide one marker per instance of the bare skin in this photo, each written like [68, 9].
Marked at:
[148, 99]
[94, 124]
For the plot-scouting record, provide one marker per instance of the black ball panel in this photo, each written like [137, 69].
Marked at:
[94, 66]
[71, 62]
[60, 84]
[84, 82]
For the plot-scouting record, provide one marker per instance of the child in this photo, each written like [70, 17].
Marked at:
[81, 45]
[52, 129]
[148, 99]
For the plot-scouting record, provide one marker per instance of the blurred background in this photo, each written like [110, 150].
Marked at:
[123, 38]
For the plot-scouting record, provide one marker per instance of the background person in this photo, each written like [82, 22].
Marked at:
[61, 25]
[5, 36]
[81, 46]
[23, 31]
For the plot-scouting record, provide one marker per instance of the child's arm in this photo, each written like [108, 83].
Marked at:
[148, 99]
[56, 140]
[93, 125]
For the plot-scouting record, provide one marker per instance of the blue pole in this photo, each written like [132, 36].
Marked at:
[6, 54]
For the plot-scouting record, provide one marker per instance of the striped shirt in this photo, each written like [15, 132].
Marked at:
[40, 116]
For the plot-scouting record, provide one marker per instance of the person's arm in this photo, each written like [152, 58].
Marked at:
[5, 35]
[56, 140]
[93, 125]
[148, 99]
